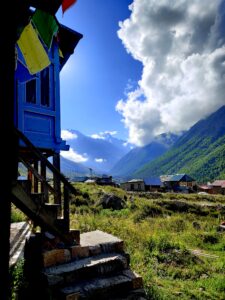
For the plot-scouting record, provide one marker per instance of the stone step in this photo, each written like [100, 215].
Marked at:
[86, 268]
[101, 242]
[118, 286]
[19, 232]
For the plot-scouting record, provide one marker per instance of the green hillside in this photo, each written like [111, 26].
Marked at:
[200, 152]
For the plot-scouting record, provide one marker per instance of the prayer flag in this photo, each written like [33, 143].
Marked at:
[46, 26]
[33, 51]
[67, 3]
[21, 73]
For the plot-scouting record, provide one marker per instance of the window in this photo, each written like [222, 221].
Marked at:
[45, 87]
[31, 91]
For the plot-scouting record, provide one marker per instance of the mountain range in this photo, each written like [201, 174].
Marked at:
[199, 152]
[98, 153]
[139, 156]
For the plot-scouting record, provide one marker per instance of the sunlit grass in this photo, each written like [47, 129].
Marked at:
[160, 241]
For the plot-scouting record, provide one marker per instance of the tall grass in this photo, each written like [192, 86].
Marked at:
[161, 241]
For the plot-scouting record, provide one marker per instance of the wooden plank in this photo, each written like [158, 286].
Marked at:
[37, 213]
[30, 168]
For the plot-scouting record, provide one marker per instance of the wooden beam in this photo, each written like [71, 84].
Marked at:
[8, 153]
[56, 179]
[50, 6]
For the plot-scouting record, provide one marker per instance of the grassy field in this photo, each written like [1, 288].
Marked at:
[172, 239]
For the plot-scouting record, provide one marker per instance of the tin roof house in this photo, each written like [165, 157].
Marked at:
[178, 182]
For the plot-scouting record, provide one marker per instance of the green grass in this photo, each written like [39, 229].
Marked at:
[160, 231]
[17, 215]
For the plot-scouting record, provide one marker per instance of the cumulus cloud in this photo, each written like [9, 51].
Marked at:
[74, 156]
[68, 135]
[103, 135]
[100, 160]
[181, 45]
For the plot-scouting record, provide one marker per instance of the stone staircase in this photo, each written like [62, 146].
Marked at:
[96, 268]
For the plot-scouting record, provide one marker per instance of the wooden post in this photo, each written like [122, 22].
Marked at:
[35, 179]
[44, 188]
[57, 186]
[66, 211]
[9, 142]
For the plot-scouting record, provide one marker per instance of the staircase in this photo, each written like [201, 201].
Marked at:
[97, 268]
[47, 205]
[61, 264]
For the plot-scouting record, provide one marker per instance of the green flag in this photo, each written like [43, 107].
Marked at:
[46, 26]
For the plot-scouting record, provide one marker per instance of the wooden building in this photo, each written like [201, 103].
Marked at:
[135, 185]
[153, 184]
[179, 183]
[37, 97]
[218, 187]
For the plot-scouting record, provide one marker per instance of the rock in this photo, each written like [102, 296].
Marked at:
[112, 201]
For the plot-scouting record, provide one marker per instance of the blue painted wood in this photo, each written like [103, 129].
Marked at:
[38, 121]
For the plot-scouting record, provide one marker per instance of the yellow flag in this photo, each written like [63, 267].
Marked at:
[33, 51]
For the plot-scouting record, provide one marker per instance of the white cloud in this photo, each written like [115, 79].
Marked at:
[68, 135]
[97, 136]
[74, 156]
[103, 135]
[100, 160]
[181, 45]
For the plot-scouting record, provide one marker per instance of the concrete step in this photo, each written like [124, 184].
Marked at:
[19, 232]
[118, 286]
[101, 242]
[86, 268]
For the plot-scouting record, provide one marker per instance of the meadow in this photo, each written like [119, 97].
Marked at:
[172, 239]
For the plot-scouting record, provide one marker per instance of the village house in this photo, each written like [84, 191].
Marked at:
[205, 188]
[136, 185]
[179, 183]
[218, 187]
[153, 184]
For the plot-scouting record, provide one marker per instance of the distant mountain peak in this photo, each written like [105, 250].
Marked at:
[102, 150]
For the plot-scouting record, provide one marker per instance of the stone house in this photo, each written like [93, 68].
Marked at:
[137, 185]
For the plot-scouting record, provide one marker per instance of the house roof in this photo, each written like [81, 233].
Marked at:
[153, 181]
[220, 183]
[176, 178]
[133, 181]
[205, 187]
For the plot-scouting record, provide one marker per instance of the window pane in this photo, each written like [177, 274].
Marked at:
[31, 91]
[45, 87]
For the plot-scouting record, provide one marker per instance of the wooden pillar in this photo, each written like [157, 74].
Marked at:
[35, 179]
[56, 181]
[44, 188]
[66, 212]
[9, 142]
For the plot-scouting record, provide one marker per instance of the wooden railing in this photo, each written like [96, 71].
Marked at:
[62, 194]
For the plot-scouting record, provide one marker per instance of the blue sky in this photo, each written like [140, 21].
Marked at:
[100, 70]
[172, 77]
